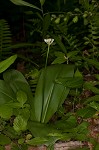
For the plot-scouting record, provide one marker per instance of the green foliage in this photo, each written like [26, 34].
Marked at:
[4, 140]
[42, 2]
[23, 3]
[86, 112]
[19, 124]
[49, 94]
[5, 112]
[21, 98]
[92, 98]
[6, 63]
[74, 26]
[36, 129]
[17, 82]
[5, 39]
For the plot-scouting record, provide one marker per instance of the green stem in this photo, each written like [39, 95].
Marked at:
[47, 56]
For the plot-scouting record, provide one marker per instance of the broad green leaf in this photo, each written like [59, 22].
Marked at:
[20, 124]
[4, 140]
[6, 63]
[23, 3]
[66, 124]
[59, 60]
[36, 129]
[21, 97]
[18, 82]
[42, 2]
[86, 112]
[5, 112]
[71, 54]
[70, 82]
[6, 93]
[59, 54]
[37, 141]
[50, 95]
[48, 141]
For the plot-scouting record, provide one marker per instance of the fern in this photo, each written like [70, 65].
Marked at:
[5, 39]
[92, 39]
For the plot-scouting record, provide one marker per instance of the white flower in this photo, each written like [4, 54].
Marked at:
[49, 41]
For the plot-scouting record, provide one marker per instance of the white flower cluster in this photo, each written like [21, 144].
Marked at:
[49, 41]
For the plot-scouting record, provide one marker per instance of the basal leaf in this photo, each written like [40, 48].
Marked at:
[70, 82]
[49, 94]
[36, 129]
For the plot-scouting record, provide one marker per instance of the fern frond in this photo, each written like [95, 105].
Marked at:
[5, 39]
[93, 37]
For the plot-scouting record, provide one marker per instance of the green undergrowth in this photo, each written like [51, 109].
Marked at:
[53, 95]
